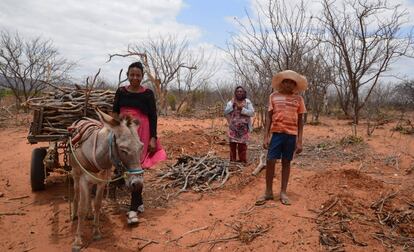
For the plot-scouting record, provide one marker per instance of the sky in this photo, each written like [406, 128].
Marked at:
[87, 31]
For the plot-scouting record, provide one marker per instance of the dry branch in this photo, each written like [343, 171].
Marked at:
[243, 235]
[148, 242]
[20, 197]
[261, 165]
[11, 213]
[188, 232]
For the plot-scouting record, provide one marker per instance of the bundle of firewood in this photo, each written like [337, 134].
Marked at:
[59, 109]
[199, 173]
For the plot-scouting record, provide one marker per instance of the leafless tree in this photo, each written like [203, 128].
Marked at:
[373, 110]
[28, 66]
[166, 58]
[189, 80]
[320, 76]
[366, 37]
[278, 39]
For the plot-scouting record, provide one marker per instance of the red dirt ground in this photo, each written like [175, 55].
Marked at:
[356, 175]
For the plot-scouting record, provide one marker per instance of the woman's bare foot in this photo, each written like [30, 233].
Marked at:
[284, 199]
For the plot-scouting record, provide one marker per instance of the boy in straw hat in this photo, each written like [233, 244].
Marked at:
[284, 125]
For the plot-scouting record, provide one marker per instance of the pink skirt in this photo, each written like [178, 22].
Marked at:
[147, 160]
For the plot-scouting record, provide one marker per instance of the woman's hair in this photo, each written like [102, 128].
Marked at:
[244, 90]
[137, 65]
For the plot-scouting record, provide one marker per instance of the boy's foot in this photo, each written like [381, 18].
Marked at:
[262, 200]
[284, 199]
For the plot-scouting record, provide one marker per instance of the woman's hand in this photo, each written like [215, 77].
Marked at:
[152, 145]
[240, 106]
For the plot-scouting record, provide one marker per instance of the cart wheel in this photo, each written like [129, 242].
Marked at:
[37, 170]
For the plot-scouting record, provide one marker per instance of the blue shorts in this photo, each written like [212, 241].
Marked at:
[281, 146]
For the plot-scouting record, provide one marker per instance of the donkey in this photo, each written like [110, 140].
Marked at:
[110, 142]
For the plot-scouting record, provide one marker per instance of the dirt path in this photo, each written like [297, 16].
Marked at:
[44, 221]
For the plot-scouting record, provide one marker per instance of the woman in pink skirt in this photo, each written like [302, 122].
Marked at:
[139, 102]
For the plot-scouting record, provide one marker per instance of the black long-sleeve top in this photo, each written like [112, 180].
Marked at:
[144, 101]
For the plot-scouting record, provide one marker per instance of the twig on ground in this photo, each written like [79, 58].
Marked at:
[188, 232]
[144, 239]
[328, 208]
[214, 241]
[11, 213]
[20, 197]
[305, 217]
[148, 242]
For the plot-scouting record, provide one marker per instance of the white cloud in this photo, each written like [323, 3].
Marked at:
[87, 31]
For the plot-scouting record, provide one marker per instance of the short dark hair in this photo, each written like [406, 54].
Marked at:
[137, 65]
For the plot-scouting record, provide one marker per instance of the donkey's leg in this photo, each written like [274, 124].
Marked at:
[89, 214]
[75, 202]
[97, 205]
[82, 210]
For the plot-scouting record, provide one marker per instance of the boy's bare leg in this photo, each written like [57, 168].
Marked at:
[270, 173]
[285, 179]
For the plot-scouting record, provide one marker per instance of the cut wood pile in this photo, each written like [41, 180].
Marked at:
[199, 174]
[59, 109]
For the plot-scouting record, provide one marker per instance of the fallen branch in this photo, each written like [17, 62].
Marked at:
[261, 165]
[188, 232]
[20, 197]
[144, 239]
[328, 208]
[214, 241]
[11, 213]
[148, 242]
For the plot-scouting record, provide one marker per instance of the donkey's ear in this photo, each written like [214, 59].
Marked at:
[107, 119]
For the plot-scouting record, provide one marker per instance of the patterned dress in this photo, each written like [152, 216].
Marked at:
[239, 121]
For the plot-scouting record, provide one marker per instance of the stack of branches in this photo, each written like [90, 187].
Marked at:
[342, 219]
[198, 173]
[62, 107]
[399, 220]
[334, 224]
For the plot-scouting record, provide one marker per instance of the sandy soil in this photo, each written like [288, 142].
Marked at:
[353, 175]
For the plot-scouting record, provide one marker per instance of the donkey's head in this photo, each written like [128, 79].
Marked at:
[125, 148]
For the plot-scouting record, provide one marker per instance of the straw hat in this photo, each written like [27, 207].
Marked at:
[301, 82]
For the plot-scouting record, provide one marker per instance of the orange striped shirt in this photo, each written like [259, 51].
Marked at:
[285, 110]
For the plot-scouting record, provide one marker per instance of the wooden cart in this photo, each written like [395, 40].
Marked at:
[45, 159]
